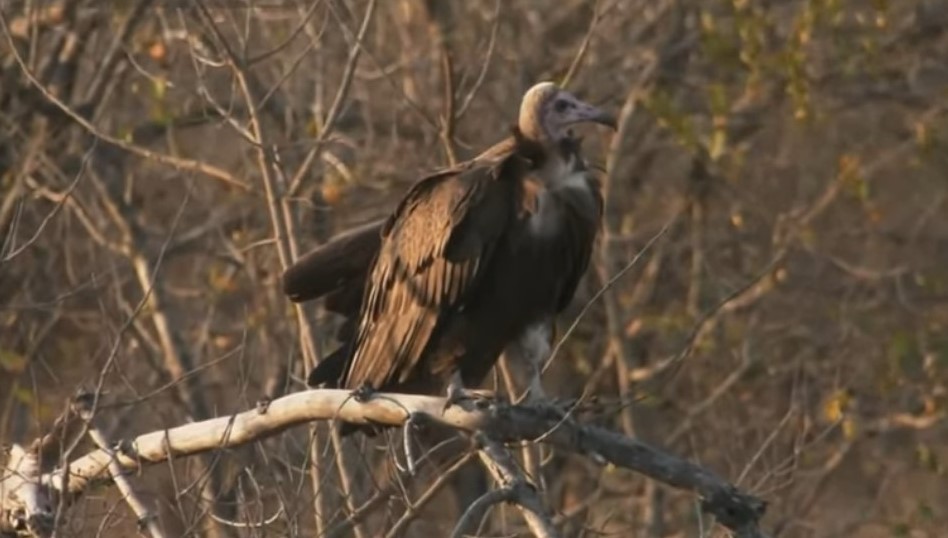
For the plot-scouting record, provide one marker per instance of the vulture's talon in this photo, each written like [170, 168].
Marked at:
[363, 394]
[457, 395]
[263, 404]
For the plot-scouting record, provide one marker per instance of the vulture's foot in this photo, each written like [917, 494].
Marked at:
[457, 395]
[363, 393]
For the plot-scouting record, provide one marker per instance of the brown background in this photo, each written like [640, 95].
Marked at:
[796, 147]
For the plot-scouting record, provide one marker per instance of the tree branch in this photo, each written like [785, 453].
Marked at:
[517, 490]
[147, 518]
[501, 422]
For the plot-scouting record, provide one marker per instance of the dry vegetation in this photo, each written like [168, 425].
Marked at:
[161, 162]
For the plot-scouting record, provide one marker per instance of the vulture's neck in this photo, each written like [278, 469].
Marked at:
[562, 169]
[560, 166]
[557, 185]
[555, 156]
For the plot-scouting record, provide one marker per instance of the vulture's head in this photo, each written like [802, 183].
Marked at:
[547, 112]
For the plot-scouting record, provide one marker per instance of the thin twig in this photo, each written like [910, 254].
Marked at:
[505, 471]
[327, 125]
[413, 508]
[147, 518]
[170, 160]
[478, 508]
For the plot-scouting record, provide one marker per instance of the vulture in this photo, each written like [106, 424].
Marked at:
[475, 260]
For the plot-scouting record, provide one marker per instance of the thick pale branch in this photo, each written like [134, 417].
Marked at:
[501, 422]
[147, 518]
[24, 505]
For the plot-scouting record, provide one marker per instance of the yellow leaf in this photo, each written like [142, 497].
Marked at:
[849, 429]
[159, 87]
[23, 395]
[780, 275]
[836, 405]
[222, 341]
[12, 362]
[718, 144]
[583, 366]
[313, 127]
[221, 280]
[737, 220]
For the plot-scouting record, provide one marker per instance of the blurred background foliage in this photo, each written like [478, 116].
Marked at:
[789, 329]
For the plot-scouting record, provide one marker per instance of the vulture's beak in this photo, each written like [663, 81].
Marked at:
[584, 112]
[607, 119]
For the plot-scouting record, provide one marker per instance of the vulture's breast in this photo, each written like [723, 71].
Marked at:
[550, 243]
[558, 207]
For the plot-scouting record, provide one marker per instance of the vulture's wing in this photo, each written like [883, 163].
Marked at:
[435, 248]
[334, 266]
[337, 269]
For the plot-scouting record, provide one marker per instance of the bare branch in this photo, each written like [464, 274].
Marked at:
[24, 503]
[476, 511]
[176, 162]
[147, 518]
[501, 422]
[515, 488]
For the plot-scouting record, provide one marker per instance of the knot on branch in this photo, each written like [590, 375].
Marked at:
[145, 521]
[126, 448]
[24, 524]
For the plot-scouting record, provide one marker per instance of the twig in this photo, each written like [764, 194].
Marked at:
[478, 509]
[325, 129]
[581, 53]
[606, 287]
[147, 518]
[625, 115]
[411, 510]
[515, 487]
[487, 59]
[266, 161]
[176, 162]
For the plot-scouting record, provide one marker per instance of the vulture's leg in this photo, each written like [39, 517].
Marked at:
[526, 356]
[456, 393]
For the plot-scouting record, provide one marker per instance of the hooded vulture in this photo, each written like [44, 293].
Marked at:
[475, 260]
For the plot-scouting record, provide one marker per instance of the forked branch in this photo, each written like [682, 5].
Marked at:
[499, 423]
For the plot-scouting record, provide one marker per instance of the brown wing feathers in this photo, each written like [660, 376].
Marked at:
[415, 283]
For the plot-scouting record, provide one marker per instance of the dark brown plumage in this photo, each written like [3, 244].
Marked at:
[470, 260]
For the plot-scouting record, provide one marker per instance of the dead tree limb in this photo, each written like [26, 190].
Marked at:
[147, 518]
[515, 487]
[24, 502]
[501, 422]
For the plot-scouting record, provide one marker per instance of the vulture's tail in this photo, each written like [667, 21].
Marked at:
[341, 262]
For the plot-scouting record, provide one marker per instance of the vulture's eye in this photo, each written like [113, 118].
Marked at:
[561, 105]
